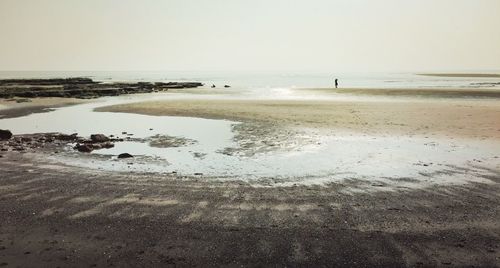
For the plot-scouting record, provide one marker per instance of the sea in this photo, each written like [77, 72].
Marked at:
[265, 80]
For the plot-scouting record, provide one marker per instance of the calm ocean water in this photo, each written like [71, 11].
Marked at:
[272, 80]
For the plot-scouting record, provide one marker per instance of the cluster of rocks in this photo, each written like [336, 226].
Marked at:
[96, 142]
[9, 142]
[81, 88]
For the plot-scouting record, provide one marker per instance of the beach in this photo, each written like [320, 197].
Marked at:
[315, 177]
[249, 133]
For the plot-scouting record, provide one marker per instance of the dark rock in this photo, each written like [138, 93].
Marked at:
[125, 155]
[65, 137]
[227, 86]
[107, 145]
[99, 138]
[84, 148]
[5, 134]
[198, 174]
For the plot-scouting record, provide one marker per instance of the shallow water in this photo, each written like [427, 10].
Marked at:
[330, 158]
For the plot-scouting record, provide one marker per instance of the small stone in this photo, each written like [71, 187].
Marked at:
[64, 137]
[125, 155]
[26, 139]
[5, 134]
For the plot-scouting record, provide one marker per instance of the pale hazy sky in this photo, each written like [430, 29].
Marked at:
[241, 35]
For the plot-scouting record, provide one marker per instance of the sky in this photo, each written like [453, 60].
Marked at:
[244, 35]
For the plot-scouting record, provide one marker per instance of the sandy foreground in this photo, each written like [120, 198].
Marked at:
[55, 215]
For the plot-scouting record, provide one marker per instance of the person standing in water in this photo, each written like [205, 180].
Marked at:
[336, 83]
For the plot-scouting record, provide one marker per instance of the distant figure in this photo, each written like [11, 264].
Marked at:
[213, 86]
[336, 83]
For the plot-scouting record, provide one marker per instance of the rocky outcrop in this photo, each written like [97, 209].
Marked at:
[80, 88]
[160, 85]
[5, 134]
[48, 82]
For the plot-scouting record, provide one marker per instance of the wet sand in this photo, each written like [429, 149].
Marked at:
[422, 93]
[17, 107]
[55, 215]
[448, 118]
